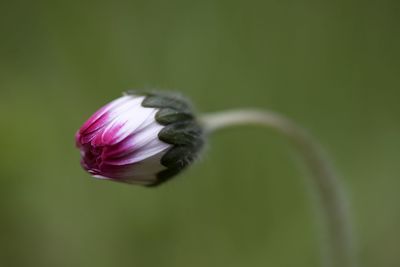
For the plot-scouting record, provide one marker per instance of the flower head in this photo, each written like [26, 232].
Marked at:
[140, 138]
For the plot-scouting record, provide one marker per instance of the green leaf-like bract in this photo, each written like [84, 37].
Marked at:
[181, 130]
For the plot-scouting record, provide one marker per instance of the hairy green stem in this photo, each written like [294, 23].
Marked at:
[337, 247]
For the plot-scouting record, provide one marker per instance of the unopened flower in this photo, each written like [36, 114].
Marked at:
[140, 138]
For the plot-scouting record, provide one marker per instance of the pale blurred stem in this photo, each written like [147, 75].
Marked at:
[337, 248]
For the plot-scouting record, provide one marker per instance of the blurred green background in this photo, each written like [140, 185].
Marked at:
[333, 66]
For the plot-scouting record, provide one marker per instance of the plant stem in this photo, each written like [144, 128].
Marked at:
[337, 246]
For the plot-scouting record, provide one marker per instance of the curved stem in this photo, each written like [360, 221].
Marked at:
[338, 249]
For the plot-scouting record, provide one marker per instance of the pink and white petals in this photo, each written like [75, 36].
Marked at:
[120, 142]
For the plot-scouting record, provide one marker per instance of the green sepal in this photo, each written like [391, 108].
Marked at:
[167, 116]
[181, 133]
[181, 130]
[176, 159]
[179, 157]
[165, 100]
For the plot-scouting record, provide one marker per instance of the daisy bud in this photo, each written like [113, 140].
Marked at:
[140, 138]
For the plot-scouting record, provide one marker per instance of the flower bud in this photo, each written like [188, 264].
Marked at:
[140, 138]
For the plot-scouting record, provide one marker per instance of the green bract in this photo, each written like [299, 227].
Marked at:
[181, 130]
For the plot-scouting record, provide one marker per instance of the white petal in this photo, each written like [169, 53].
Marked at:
[148, 167]
[126, 120]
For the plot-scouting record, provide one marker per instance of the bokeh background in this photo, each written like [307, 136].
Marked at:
[333, 66]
